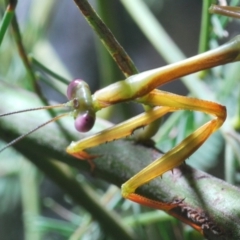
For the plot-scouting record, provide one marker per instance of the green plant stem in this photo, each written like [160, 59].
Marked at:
[206, 199]
[228, 11]
[205, 27]
[23, 55]
[7, 18]
[122, 59]
[56, 86]
[80, 230]
[229, 167]
[31, 209]
[39, 65]
[107, 67]
[48, 224]
[148, 218]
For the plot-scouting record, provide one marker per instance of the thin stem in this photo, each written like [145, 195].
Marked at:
[108, 74]
[35, 62]
[228, 11]
[148, 218]
[23, 55]
[7, 18]
[31, 205]
[122, 59]
[205, 25]
[52, 84]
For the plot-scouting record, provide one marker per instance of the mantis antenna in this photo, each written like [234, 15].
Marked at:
[80, 101]
[33, 130]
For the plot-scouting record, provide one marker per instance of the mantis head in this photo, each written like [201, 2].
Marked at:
[78, 91]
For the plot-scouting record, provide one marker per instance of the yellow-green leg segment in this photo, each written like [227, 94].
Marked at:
[182, 151]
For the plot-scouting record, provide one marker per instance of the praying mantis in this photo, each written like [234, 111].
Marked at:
[141, 88]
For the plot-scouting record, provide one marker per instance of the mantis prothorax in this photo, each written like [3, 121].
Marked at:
[141, 88]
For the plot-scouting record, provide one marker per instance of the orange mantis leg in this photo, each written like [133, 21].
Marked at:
[182, 151]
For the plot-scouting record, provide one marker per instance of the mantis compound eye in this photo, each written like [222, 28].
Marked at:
[84, 122]
[84, 113]
[73, 87]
